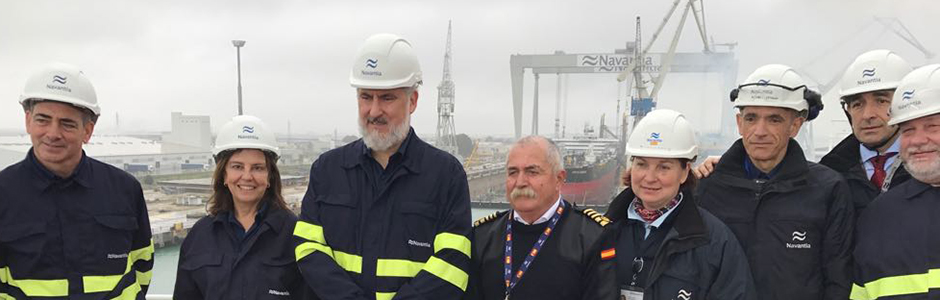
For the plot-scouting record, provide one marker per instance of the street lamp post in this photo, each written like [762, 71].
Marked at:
[238, 54]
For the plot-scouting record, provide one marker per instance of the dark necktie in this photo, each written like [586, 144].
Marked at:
[878, 162]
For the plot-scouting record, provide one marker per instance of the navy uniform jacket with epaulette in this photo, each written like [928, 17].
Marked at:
[796, 228]
[846, 159]
[898, 252]
[409, 240]
[699, 257]
[211, 267]
[569, 266]
[82, 237]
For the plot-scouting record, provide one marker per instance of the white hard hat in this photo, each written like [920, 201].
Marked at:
[385, 61]
[772, 85]
[873, 71]
[917, 96]
[245, 132]
[63, 83]
[663, 133]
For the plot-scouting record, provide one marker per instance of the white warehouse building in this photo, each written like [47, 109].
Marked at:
[187, 147]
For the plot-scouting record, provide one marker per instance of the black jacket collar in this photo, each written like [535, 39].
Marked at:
[81, 175]
[688, 220]
[273, 217]
[915, 188]
[843, 156]
[688, 229]
[792, 174]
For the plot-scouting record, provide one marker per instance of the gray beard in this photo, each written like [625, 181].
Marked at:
[926, 172]
[379, 142]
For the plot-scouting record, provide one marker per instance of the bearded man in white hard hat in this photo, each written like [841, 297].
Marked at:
[898, 245]
[386, 216]
[70, 225]
[793, 217]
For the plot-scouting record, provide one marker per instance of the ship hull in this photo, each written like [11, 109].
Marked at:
[594, 191]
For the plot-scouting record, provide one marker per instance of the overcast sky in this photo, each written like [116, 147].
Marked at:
[149, 58]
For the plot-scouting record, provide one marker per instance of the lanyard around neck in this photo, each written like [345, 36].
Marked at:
[511, 280]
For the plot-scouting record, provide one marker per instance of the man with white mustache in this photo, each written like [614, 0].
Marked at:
[386, 216]
[544, 247]
[899, 234]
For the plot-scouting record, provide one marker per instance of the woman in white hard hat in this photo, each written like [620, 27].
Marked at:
[664, 246]
[242, 250]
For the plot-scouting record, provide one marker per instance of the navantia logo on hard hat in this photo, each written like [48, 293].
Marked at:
[60, 80]
[918, 95]
[772, 85]
[907, 95]
[654, 139]
[385, 61]
[245, 132]
[663, 133]
[63, 83]
[873, 71]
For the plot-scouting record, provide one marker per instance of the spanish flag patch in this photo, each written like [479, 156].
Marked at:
[608, 254]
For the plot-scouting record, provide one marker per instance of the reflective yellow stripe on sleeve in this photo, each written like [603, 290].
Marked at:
[384, 296]
[36, 287]
[447, 240]
[858, 293]
[306, 248]
[105, 283]
[898, 285]
[349, 262]
[309, 232]
[4, 296]
[314, 233]
[397, 268]
[448, 272]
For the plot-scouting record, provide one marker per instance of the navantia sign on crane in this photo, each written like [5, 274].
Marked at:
[606, 63]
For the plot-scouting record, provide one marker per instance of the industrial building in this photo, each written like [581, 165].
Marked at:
[187, 146]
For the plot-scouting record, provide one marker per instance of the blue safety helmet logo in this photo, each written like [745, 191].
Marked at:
[907, 95]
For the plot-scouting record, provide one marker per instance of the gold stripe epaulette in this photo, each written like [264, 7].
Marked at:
[486, 219]
[596, 216]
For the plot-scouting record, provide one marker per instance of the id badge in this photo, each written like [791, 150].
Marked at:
[631, 293]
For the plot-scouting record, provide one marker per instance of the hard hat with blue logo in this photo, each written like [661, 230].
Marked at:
[663, 133]
[777, 85]
[62, 83]
[245, 132]
[385, 61]
[873, 71]
[917, 96]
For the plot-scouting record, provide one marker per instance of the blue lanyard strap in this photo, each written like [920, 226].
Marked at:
[511, 281]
